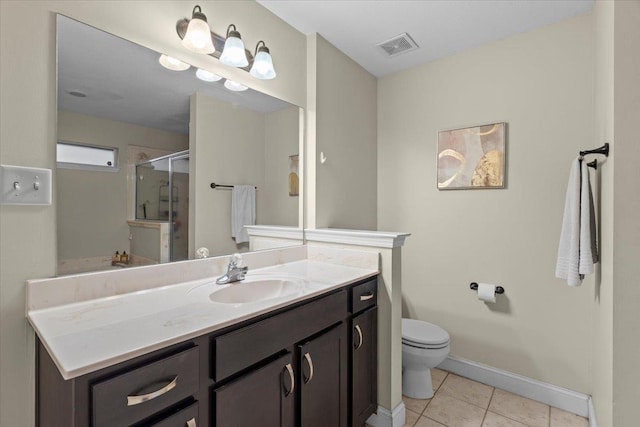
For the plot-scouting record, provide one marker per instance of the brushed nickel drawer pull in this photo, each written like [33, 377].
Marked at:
[366, 297]
[360, 340]
[307, 357]
[137, 399]
[291, 377]
[192, 423]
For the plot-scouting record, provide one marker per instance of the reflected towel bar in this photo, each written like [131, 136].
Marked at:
[214, 185]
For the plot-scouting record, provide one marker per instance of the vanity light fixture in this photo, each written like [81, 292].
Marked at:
[198, 36]
[262, 67]
[207, 76]
[230, 50]
[172, 63]
[235, 86]
[233, 53]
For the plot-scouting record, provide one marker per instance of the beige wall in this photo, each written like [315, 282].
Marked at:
[345, 126]
[227, 147]
[626, 208]
[92, 206]
[28, 134]
[281, 139]
[541, 84]
[602, 341]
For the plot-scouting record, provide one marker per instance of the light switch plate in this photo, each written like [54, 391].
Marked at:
[25, 186]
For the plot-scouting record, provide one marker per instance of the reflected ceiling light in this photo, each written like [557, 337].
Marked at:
[207, 76]
[233, 53]
[198, 36]
[235, 86]
[172, 63]
[262, 67]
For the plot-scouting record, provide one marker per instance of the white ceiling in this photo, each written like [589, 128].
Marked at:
[440, 28]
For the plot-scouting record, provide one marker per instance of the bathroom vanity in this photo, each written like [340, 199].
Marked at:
[307, 359]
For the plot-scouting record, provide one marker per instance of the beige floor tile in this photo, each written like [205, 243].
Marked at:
[437, 377]
[468, 390]
[453, 412]
[560, 418]
[410, 418]
[415, 405]
[495, 420]
[427, 422]
[527, 411]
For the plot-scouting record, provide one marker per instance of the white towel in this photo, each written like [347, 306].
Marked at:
[577, 238]
[588, 248]
[243, 211]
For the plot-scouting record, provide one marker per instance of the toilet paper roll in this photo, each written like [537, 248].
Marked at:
[487, 292]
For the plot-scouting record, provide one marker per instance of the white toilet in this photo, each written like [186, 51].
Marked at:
[424, 346]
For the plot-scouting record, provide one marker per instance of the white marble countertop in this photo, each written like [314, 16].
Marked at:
[85, 336]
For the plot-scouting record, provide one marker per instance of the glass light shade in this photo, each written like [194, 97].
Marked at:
[198, 37]
[262, 67]
[172, 63]
[207, 76]
[235, 86]
[233, 53]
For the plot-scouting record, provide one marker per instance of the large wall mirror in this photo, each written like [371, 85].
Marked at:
[139, 147]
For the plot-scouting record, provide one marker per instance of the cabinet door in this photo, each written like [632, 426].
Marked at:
[264, 397]
[364, 353]
[323, 379]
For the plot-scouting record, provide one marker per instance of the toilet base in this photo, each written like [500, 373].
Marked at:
[417, 384]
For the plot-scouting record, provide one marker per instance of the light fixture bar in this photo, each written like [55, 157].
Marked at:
[218, 42]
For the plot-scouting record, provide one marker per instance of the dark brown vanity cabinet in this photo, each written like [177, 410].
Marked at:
[364, 351]
[323, 380]
[310, 364]
[263, 397]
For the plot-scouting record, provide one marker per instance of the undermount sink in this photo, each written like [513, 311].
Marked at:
[257, 289]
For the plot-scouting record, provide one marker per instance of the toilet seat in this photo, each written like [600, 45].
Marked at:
[420, 334]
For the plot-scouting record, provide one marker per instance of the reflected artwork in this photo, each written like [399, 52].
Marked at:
[471, 158]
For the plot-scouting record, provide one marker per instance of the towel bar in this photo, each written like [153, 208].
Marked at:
[600, 150]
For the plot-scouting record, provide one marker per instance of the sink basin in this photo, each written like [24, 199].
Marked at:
[257, 289]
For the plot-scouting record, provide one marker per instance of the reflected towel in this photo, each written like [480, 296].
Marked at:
[243, 211]
[577, 250]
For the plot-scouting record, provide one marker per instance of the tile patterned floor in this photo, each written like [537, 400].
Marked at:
[460, 402]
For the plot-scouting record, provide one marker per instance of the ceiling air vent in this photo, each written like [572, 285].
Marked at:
[399, 44]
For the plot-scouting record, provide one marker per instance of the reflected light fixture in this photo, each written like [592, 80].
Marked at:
[172, 63]
[207, 76]
[262, 67]
[233, 53]
[235, 86]
[198, 36]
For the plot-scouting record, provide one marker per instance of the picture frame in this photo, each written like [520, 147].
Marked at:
[472, 157]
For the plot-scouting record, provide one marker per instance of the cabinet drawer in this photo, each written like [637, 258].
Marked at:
[187, 417]
[364, 295]
[137, 394]
[246, 346]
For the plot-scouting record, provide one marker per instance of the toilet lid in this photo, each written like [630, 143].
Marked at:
[420, 332]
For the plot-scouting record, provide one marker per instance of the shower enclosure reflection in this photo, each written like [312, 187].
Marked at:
[162, 194]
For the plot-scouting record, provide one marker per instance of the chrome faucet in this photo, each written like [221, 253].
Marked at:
[234, 273]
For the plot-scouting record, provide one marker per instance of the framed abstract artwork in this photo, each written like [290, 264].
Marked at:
[293, 175]
[472, 157]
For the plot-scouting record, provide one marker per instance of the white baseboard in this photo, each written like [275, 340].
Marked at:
[562, 398]
[386, 418]
[592, 414]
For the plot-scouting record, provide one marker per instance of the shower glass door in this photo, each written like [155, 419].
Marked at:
[179, 212]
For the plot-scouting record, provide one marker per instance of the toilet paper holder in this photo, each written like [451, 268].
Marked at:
[474, 287]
